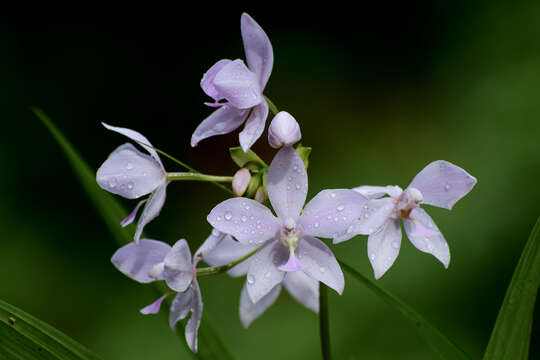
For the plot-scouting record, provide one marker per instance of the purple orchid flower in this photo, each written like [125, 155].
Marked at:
[289, 239]
[153, 260]
[301, 287]
[241, 87]
[131, 174]
[439, 184]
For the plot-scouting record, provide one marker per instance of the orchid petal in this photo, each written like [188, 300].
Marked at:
[222, 121]
[129, 219]
[137, 137]
[303, 288]
[259, 54]
[130, 173]
[426, 236]
[136, 261]
[254, 126]
[320, 263]
[211, 242]
[192, 326]
[287, 183]
[154, 307]
[375, 192]
[383, 246]
[263, 273]
[229, 250]
[207, 81]
[151, 209]
[331, 212]
[178, 270]
[180, 307]
[249, 311]
[374, 214]
[442, 184]
[245, 219]
[238, 85]
[293, 264]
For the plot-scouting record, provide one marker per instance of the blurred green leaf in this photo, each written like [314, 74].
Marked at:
[438, 341]
[244, 159]
[211, 345]
[511, 335]
[24, 337]
[304, 153]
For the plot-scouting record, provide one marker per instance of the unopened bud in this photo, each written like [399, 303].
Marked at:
[260, 195]
[241, 181]
[283, 130]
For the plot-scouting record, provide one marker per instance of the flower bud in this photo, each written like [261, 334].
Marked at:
[241, 181]
[283, 130]
[260, 195]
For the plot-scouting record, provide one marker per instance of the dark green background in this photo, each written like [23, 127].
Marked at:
[379, 93]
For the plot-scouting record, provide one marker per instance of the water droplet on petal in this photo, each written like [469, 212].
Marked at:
[333, 195]
[329, 217]
[288, 188]
[267, 275]
[130, 185]
[372, 257]
[290, 178]
[113, 182]
[243, 218]
[316, 224]
[129, 166]
[447, 187]
[298, 186]
[322, 269]
[214, 231]
[350, 229]
[295, 167]
[395, 244]
[366, 207]
[340, 208]
[250, 279]
[366, 215]
[336, 219]
[228, 216]
[218, 218]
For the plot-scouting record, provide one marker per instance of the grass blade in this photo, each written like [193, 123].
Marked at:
[511, 335]
[112, 212]
[23, 337]
[437, 340]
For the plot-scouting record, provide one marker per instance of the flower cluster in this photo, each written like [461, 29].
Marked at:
[272, 249]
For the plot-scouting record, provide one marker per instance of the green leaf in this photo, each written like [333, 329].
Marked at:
[511, 335]
[24, 337]
[245, 159]
[437, 340]
[112, 213]
[304, 153]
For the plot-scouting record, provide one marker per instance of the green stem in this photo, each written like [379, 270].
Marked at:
[185, 165]
[273, 108]
[323, 321]
[222, 268]
[193, 176]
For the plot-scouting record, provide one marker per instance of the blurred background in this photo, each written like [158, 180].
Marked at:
[379, 93]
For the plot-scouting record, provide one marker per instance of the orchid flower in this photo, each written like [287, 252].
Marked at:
[241, 87]
[131, 174]
[153, 260]
[301, 287]
[289, 239]
[439, 184]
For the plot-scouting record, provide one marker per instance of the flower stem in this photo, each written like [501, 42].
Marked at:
[222, 268]
[273, 108]
[323, 321]
[194, 176]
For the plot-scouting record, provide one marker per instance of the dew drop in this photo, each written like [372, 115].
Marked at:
[130, 185]
[295, 167]
[129, 166]
[349, 229]
[447, 187]
[228, 216]
[144, 174]
[322, 269]
[340, 208]
[267, 275]
[288, 188]
[316, 225]
[333, 195]
[252, 217]
[218, 218]
[290, 178]
[243, 218]
[366, 207]
[329, 217]
[214, 231]
[366, 215]
[395, 244]
[250, 279]
[297, 186]
[113, 182]
[336, 219]
[372, 257]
